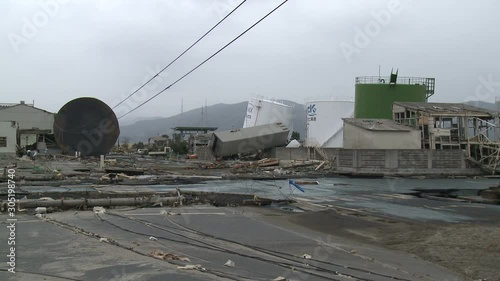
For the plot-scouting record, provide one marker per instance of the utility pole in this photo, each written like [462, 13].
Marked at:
[182, 111]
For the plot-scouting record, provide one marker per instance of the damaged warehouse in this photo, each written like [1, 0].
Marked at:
[34, 126]
[248, 140]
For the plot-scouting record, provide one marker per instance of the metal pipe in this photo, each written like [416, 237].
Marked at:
[72, 203]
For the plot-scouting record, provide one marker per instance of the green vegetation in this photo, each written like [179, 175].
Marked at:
[139, 145]
[180, 147]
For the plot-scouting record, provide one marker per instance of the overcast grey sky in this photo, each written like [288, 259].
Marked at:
[54, 51]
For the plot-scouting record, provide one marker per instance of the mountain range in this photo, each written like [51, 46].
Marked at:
[482, 104]
[223, 116]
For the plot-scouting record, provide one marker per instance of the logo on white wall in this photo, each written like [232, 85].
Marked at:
[311, 112]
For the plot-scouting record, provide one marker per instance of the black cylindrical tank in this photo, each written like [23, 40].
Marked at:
[86, 125]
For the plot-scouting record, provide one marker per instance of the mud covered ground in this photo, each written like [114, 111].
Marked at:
[472, 250]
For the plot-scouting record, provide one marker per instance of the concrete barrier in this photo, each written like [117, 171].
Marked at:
[387, 161]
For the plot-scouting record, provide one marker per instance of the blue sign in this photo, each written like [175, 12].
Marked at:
[292, 182]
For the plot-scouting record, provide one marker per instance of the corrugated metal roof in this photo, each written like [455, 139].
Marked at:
[3, 107]
[445, 108]
[377, 124]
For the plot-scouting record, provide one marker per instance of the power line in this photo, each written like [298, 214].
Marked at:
[196, 42]
[203, 62]
[76, 129]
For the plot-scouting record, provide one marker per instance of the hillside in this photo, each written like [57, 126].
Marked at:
[482, 104]
[223, 116]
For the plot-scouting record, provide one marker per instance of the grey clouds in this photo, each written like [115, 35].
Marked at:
[107, 48]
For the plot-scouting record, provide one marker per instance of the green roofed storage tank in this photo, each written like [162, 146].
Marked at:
[374, 95]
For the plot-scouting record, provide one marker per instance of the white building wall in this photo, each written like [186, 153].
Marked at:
[359, 138]
[262, 111]
[28, 117]
[324, 124]
[8, 129]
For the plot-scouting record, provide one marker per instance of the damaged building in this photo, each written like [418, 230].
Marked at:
[454, 126]
[34, 125]
[197, 138]
[8, 136]
[248, 140]
[158, 142]
[447, 125]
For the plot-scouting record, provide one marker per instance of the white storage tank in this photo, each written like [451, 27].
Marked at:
[324, 125]
[262, 111]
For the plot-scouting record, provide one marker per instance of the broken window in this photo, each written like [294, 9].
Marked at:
[445, 123]
[3, 141]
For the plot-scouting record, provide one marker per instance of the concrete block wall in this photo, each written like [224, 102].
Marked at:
[371, 158]
[298, 153]
[388, 161]
[445, 159]
[411, 159]
[345, 158]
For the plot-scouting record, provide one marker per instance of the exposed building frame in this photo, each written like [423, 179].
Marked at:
[455, 126]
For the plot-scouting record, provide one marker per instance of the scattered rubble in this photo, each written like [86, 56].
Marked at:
[40, 216]
[125, 171]
[229, 263]
[137, 172]
[192, 267]
[99, 210]
[61, 170]
[41, 210]
[158, 254]
[78, 203]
